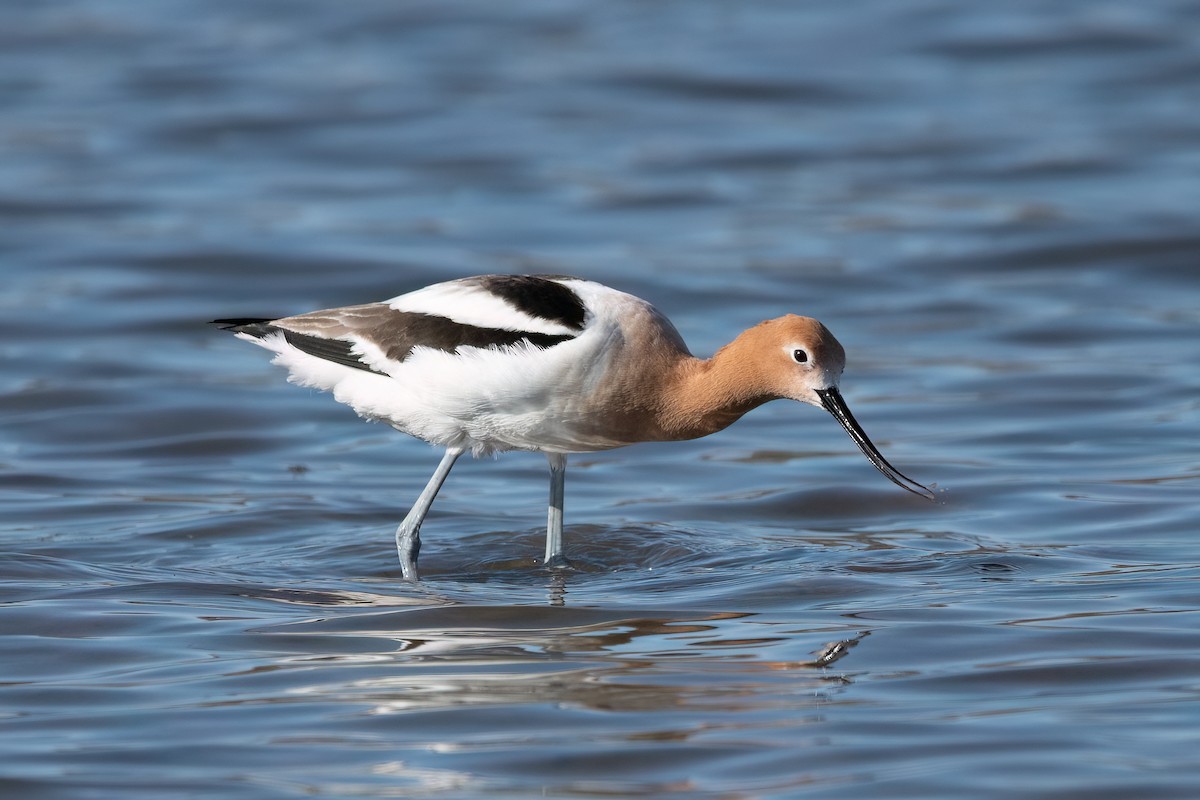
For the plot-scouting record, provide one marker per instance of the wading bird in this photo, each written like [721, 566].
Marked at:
[548, 363]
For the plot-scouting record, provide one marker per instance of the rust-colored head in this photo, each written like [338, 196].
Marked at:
[795, 357]
[798, 358]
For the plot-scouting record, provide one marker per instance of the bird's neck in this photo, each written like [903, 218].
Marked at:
[704, 396]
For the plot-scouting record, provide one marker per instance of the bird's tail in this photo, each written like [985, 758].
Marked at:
[258, 327]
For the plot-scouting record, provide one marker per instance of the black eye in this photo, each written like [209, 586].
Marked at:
[800, 356]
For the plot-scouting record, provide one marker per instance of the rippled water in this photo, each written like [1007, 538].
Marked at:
[994, 209]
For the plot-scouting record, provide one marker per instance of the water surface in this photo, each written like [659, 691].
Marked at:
[993, 209]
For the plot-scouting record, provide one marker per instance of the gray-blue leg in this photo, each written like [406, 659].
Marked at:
[554, 518]
[408, 535]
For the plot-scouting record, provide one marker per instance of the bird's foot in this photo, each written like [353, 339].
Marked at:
[558, 562]
[408, 547]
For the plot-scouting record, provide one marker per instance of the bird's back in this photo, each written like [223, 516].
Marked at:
[487, 363]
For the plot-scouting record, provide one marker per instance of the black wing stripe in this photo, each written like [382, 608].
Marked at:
[408, 329]
[328, 335]
[538, 297]
[334, 350]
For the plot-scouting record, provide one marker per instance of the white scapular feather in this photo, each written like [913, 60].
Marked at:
[470, 304]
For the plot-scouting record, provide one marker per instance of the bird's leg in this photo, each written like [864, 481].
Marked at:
[408, 535]
[554, 518]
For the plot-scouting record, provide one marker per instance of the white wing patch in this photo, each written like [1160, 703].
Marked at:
[469, 304]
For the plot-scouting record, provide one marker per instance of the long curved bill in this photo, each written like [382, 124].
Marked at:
[832, 401]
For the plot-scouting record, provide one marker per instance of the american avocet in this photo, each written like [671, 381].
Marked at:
[548, 363]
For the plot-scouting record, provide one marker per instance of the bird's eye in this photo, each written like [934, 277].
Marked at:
[800, 356]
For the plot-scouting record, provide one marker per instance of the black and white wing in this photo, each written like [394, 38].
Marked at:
[489, 311]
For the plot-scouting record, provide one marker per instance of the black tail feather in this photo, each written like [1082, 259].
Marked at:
[257, 327]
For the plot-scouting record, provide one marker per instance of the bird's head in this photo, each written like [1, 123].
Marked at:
[801, 360]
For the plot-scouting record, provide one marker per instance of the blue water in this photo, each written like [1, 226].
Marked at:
[994, 208]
